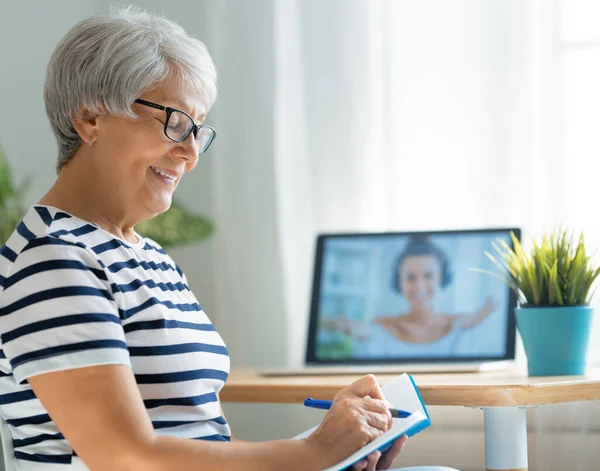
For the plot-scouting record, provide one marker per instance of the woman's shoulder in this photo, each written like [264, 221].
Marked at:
[49, 226]
[43, 234]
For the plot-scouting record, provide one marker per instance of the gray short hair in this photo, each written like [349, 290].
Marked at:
[106, 61]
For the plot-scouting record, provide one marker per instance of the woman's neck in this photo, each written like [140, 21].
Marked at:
[420, 315]
[77, 192]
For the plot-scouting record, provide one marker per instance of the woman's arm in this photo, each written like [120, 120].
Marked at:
[348, 327]
[100, 411]
[467, 322]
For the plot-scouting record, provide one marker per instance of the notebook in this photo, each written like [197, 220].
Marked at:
[401, 393]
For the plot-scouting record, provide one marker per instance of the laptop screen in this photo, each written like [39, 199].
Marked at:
[410, 297]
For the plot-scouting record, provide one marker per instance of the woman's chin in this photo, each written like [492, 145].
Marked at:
[421, 304]
[161, 203]
[160, 195]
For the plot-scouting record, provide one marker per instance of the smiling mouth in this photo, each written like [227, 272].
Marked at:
[164, 174]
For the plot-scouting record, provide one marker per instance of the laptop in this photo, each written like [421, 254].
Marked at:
[408, 302]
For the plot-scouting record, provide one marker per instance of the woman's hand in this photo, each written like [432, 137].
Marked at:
[348, 327]
[490, 305]
[358, 415]
[377, 460]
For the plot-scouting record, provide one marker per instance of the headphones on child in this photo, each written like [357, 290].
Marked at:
[421, 248]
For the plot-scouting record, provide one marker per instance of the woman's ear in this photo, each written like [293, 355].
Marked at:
[86, 125]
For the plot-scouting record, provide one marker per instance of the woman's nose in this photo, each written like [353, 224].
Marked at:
[421, 284]
[188, 149]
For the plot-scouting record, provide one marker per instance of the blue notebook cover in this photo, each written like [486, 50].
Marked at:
[426, 423]
[401, 393]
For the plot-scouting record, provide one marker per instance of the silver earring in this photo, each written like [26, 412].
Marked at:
[91, 141]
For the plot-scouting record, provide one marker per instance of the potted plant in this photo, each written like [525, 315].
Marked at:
[552, 281]
[175, 227]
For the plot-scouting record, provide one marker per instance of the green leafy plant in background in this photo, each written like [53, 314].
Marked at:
[556, 271]
[177, 226]
[12, 207]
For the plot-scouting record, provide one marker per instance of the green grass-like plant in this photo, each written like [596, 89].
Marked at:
[556, 271]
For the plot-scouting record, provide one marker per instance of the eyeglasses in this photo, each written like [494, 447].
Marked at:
[179, 125]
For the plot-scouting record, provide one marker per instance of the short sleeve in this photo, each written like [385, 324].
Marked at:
[58, 312]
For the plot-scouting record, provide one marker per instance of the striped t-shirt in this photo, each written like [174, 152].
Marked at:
[74, 295]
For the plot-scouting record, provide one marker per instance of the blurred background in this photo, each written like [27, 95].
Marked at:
[358, 115]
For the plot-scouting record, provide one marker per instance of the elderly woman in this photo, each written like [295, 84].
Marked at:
[108, 361]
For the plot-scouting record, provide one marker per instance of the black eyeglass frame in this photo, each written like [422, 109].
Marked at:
[195, 127]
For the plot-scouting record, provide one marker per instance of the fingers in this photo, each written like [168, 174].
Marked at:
[366, 386]
[366, 430]
[373, 412]
[372, 460]
[381, 421]
[371, 415]
[376, 405]
[374, 425]
[367, 464]
[381, 409]
[390, 455]
[376, 411]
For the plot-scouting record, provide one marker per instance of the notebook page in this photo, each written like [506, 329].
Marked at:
[401, 394]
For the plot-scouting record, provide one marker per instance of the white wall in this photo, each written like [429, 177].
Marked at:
[29, 31]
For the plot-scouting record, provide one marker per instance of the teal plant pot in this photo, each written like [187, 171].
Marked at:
[555, 338]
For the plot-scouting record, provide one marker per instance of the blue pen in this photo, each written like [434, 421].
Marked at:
[320, 404]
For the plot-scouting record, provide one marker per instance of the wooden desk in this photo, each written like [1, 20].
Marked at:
[502, 395]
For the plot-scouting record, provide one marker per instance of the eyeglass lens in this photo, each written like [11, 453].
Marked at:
[179, 126]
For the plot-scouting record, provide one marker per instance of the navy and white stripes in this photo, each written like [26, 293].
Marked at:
[73, 295]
